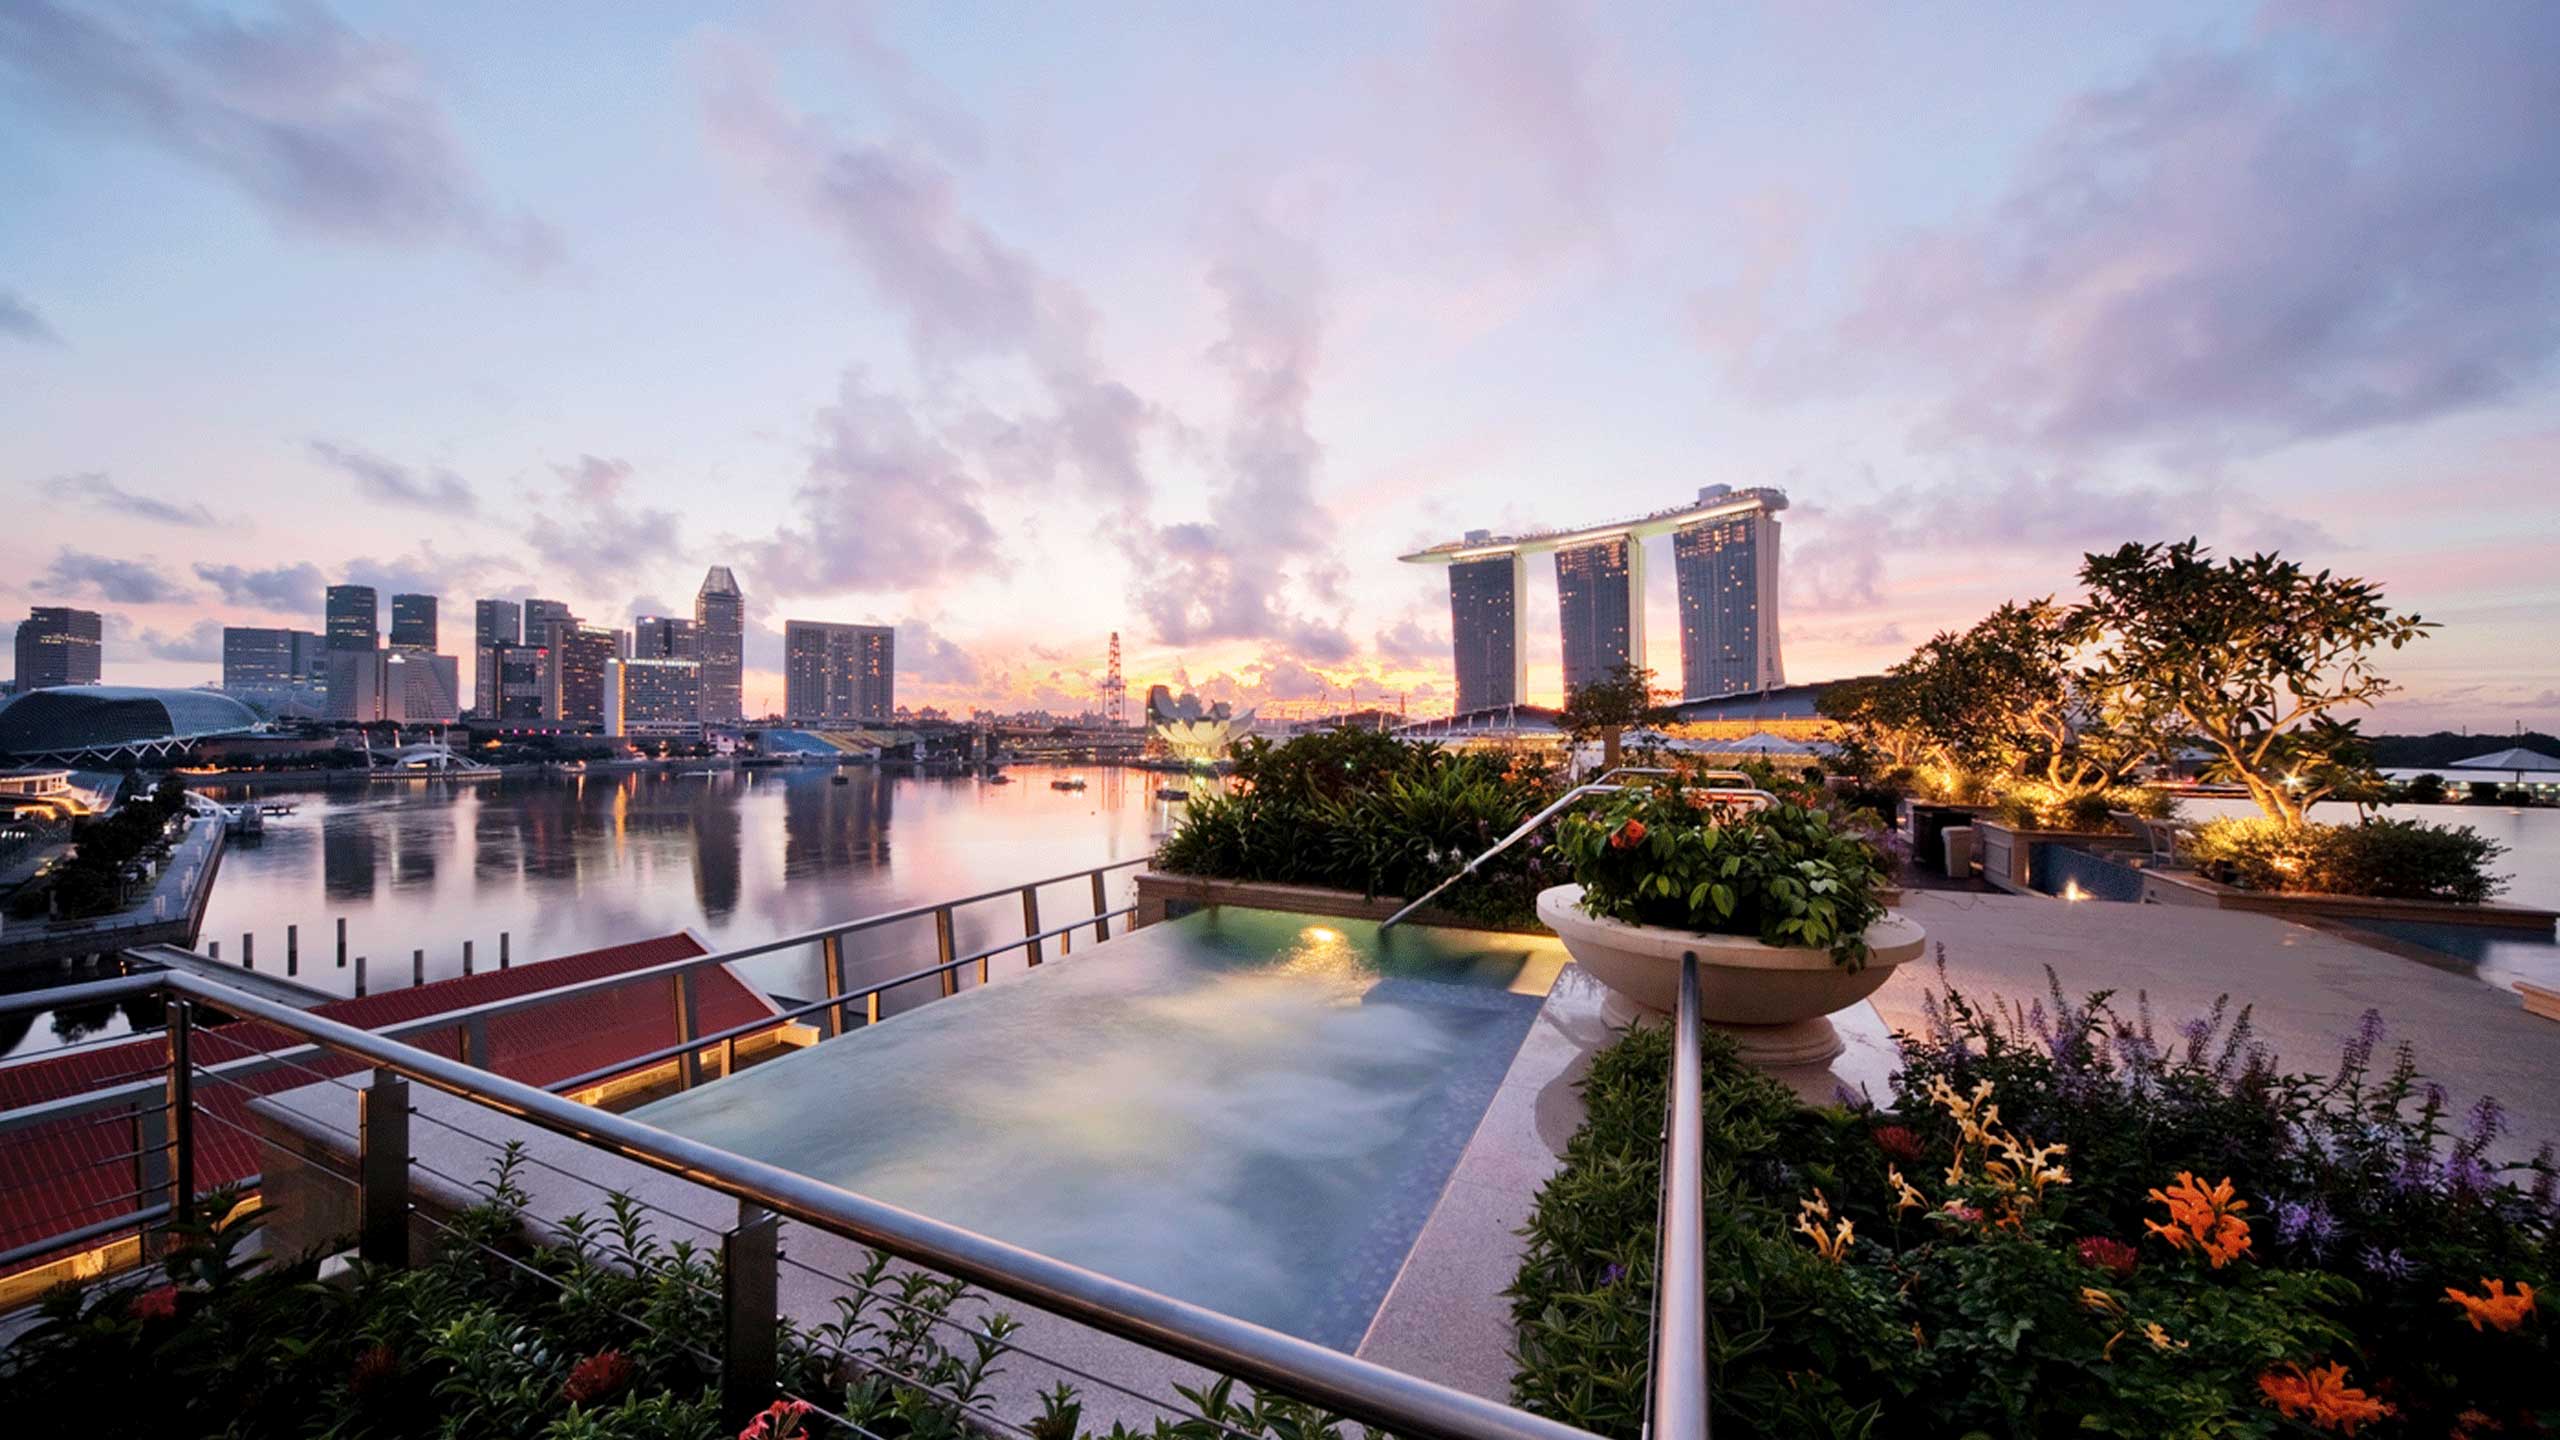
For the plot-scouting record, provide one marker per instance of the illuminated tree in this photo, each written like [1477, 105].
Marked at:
[1606, 709]
[2249, 657]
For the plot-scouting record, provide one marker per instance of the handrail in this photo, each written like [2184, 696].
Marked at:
[87, 1102]
[1600, 786]
[782, 1017]
[1356, 1389]
[1679, 1397]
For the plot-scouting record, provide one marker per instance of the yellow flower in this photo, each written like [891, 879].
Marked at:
[1833, 1244]
[2099, 1300]
[2493, 1305]
[2159, 1338]
[1905, 1198]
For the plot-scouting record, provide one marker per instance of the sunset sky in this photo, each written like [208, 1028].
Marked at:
[1017, 325]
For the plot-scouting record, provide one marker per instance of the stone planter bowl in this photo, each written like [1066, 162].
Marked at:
[1774, 1000]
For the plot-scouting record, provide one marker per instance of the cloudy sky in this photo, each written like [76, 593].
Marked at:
[1016, 325]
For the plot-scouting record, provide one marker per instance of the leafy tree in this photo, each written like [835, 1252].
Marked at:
[2249, 656]
[1607, 709]
[1879, 719]
[2427, 789]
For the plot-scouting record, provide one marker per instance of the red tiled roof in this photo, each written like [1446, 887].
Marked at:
[55, 1178]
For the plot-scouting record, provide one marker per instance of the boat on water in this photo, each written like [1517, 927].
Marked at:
[999, 778]
[840, 778]
[1172, 792]
[1074, 782]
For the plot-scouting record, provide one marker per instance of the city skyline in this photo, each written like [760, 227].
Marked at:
[1013, 346]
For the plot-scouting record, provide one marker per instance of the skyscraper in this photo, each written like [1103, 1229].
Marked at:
[413, 622]
[260, 660]
[541, 617]
[1600, 604]
[653, 697]
[720, 638]
[832, 674]
[1728, 571]
[493, 623]
[352, 623]
[578, 662]
[664, 637]
[1484, 630]
[522, 675]
[58, 645]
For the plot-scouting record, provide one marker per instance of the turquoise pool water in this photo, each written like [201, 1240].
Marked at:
[1248, 1110]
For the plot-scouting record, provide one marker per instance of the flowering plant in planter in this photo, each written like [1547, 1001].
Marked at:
[1685, 858]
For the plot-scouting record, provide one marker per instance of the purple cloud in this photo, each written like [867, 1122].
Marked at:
[21, 321]
[596, 535]
[297, 588]
[109, 577]
[432, 489]
[94, 489]
[2352, 223]
[884, 505]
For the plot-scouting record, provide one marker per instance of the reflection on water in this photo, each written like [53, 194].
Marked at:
[568, 863]
[1240, 1109]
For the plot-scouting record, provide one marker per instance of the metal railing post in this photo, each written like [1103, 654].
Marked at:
[831, 953]
[1680, 1271]
[293, 949]
[150, 1154]
[466, 957]
[182, 1112]
[943, 950]
[342, 942]
[1030, 930]
[688, 1024]
[750, 1295]
[502, 949]
[359, 977]
[1101, 907]
[475, 1042]
[417, 968]
[248, 950]
[382, 1170]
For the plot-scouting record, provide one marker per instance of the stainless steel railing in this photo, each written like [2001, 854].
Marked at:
[1339, 1383]
[472, 1022]
[1678, 1401]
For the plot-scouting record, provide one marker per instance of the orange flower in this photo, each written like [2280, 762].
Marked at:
[2209, 1220]
[1627, 835]
[2493, 1306]
[2323, 1396]
[1833, 1244]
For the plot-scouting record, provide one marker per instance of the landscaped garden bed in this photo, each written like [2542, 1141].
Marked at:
[2064, 1222]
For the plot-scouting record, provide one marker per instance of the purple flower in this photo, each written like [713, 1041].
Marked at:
[2387, 1264]
[2488, 1121]
[1613, 1274]
[2417, 1172]
[2310, 1226]
[2359, 1050]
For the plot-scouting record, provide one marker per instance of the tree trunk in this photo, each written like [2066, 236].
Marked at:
[1609, 749]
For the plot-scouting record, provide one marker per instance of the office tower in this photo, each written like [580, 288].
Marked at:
[260, 659]
[720, 641]
[522, 676]
[493, 623]
[655, 696]
[352, 623]
[1728, 571]
[58, 645]
[1484, 630]
[578, 660]
[838, 673]
[355, 684]
[664, 637]
[542, 617]
[413, 622]
[1600, 604]
[417, 687]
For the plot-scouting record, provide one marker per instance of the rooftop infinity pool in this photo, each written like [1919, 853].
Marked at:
[1248, 1110]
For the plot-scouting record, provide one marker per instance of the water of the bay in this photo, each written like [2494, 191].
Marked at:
[565, 863]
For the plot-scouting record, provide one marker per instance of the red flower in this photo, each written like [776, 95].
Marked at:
[2105, 1252]
[1629, 834]
[160, 1304]
[780, 1421]
[598, 1377]
[1898, 1142]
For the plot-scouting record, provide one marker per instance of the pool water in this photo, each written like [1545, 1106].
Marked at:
[1248, 1110]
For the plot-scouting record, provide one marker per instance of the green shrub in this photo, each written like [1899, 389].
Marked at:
[1356, 810]
[1986, 1256]
[1673, 856]
[2386, 859]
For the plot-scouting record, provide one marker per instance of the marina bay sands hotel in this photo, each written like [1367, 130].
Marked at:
[1724, 550]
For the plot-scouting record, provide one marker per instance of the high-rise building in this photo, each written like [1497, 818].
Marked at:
[720, 640]
[418, 687]
[833, 674]
[58, 645]
[1724, 549]
[542, 617]
[522, 674]
[413, 622]
[1728, 569]
[493, 623]
[355, 684]
[1600, 604]
[260, 660]
[653, 697]
[664, 637]
[352, 623]
[578, 660]
[1484, 630]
